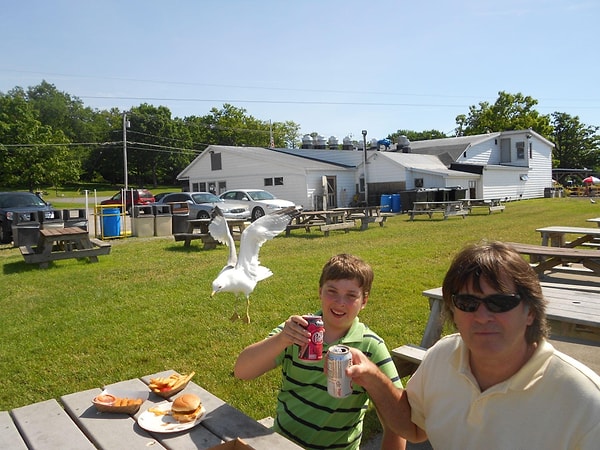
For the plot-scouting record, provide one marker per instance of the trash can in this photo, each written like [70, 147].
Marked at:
[75, 218]
[142, 221]
[386, 203]
[111, 222]
[163, 222]
[25, 229]
[181, 214]
[50, 219]
[396, 203]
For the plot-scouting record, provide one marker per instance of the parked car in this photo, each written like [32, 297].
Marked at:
[160, 195]
[201, 205]
[140, 197]
[260, 202]
[13, 204]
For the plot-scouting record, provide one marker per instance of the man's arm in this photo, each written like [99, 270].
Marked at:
[391, 402]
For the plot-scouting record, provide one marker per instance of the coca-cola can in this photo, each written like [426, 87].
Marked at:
[339, 385]
[313, 350]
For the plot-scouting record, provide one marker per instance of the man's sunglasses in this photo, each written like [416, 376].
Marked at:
[496, 303]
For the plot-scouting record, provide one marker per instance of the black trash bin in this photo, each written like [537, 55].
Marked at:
[25, 229]
[181, 215]
[75, 218]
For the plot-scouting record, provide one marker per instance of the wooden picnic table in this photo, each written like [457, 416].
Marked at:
[366, 215]
[595, 220]
[77, 425]
[492, 204]
[449, 208]
[324, 220]
[64, 243]
[198, 229]
[543, 258]
[555, 236]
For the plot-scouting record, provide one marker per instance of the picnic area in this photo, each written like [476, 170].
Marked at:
[78, 326]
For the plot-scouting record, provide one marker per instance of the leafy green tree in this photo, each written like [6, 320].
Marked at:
[509, 112]
[576, 145]
[34, 154]
[416, 135]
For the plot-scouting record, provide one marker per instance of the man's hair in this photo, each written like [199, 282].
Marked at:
[501, 266]
[348, 267]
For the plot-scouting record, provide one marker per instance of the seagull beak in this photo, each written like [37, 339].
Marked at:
[212, 294]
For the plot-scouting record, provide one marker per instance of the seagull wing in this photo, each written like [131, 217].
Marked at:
[259, 232]
[219, 230]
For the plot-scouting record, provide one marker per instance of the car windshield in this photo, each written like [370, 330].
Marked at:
[206, 197]
[261, 195]
[20, 200]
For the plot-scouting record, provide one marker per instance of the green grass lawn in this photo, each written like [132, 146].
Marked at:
[146, 307]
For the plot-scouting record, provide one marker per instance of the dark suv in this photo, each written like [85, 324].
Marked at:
[13, 204]
[140, 197]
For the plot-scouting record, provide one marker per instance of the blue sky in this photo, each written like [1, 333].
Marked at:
[335, 67]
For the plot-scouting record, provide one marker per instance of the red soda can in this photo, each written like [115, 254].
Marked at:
[313, 350]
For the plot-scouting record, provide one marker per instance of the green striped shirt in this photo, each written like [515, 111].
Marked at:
[307, 414]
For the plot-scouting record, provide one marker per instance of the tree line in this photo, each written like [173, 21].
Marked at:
[50, 138]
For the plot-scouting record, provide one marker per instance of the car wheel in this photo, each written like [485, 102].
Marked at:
[257, 213]
[203, 215]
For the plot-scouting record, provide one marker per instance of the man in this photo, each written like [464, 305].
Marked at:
[497, 383]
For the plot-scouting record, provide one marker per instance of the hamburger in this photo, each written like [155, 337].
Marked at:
[186, 408]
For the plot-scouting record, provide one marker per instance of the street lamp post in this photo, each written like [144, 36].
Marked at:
[125, 126]
[364, 133]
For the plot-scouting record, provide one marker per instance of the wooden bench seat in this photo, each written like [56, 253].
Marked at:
[346, 225]
[407, 358]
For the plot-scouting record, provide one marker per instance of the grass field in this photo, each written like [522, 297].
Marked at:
[146, 306]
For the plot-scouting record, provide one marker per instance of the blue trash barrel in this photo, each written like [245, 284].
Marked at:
[395, 203]
[386, 203]
[111, 222]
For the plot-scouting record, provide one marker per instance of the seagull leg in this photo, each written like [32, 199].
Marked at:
[247, 318]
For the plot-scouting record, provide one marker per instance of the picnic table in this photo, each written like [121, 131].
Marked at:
[492, 204]
[74, 423]
[366, 215]
[324, 220]
[448, 209]
[64, 243]
[198, 229]
[555, 236]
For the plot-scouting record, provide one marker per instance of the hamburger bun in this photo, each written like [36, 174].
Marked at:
[186, 408]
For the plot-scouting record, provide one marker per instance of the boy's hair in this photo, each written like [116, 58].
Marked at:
[348, 267]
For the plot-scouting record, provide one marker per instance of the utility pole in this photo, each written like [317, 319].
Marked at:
[125, 126]
[364, 133]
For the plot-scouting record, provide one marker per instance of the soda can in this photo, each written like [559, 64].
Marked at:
[313, 350]
[339, 385]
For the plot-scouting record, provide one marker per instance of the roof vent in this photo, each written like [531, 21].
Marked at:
[347, 145]
[403, 144]
[333, 142]
[307, 141]
[320, 142]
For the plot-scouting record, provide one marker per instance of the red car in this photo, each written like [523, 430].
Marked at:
[140, 197]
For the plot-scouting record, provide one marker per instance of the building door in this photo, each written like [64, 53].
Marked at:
[331, 184]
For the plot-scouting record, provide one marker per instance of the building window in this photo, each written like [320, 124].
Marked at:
[222, 186]
[215, 161]
[419, 182]
[275, 181]
[521, 150]
[530, 150]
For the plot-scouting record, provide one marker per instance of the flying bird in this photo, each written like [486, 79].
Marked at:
[241, 274]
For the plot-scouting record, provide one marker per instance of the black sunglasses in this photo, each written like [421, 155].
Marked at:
[496, 303]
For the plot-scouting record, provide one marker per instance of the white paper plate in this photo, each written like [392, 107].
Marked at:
[166, 423]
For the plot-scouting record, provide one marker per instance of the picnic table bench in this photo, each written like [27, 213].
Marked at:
[449, 208]
[365, 214]
[64, 243]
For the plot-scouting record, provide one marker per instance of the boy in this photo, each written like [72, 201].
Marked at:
[306, 413]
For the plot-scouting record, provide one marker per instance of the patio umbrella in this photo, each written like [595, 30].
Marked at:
[591, 180]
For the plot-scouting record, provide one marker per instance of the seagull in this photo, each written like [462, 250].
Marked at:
[240, 275]
[592, 200]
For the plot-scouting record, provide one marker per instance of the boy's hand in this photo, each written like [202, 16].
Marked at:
[295, 330]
